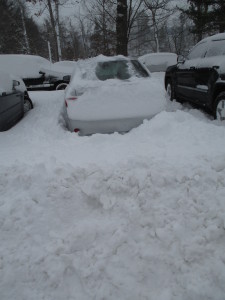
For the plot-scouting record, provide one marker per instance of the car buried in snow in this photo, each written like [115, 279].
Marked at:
[110, 94]
[14, 100]
[200, 78]
[37, 72]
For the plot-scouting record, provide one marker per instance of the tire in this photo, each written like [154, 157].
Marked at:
[219, 107]
[27, 104]
[61, 86]
[170, 91]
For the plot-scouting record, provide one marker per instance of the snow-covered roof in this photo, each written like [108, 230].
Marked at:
[218, 36]
[158, 62]
[25, 66]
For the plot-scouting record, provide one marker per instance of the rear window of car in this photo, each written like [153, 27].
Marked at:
[120, 69]
[216, 48]
[198, 51]
[112, 69]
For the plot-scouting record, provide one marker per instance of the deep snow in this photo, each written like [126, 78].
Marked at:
[133, 216]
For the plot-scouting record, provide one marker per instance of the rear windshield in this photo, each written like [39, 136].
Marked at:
[216, 48]
[120, 69]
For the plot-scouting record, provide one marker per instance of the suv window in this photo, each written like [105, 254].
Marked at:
[198, 51]
[216, 48]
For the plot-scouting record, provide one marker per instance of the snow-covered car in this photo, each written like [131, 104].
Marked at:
[200, 78]
[158, 62]
[15, 100]
[11, 101]
[59, 73]
[36, 71]
[111, 94]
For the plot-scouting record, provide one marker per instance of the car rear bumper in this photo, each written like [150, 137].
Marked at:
[104, 126]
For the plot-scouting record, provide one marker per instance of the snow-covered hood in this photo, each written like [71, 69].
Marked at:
[206, 62]
[116, 98]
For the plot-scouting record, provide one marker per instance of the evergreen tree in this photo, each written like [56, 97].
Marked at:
[11, 38]
[218, 14]
[200, 12]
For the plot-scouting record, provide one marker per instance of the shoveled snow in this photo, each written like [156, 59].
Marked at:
[133, 216]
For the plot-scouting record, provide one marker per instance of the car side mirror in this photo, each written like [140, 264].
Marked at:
[180, 59]
[16, 83]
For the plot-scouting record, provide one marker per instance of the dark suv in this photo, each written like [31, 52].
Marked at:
[200, 78]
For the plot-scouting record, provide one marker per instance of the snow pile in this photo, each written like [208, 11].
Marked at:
[134, 216]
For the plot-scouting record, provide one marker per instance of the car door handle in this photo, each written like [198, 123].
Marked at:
[192, 68]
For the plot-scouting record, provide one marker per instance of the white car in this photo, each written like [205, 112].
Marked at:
[111, 94]
[158, 62]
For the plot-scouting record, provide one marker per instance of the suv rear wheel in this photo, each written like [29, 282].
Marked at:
[219, 107]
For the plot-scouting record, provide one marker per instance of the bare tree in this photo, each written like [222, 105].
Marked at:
[159, 12]
[52, 6]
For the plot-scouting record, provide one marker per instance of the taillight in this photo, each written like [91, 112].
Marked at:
[76, 130]
[70, 99]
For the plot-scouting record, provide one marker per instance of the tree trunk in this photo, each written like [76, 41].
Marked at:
[57, 29]
[53, 25]
[121, 27]
[24, 30]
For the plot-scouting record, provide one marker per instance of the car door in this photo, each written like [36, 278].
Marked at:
[186, 87]
[209, 68]
[11, 109]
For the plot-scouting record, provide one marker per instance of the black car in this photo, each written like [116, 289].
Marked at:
[200, 78]
[37, 72]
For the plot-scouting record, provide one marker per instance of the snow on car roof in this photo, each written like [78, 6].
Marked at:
[159, 54]
[86, 67]
[25, 66]
[218, 36]
[159, 61]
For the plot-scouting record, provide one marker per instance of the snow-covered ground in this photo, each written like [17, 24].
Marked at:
[133, 216]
